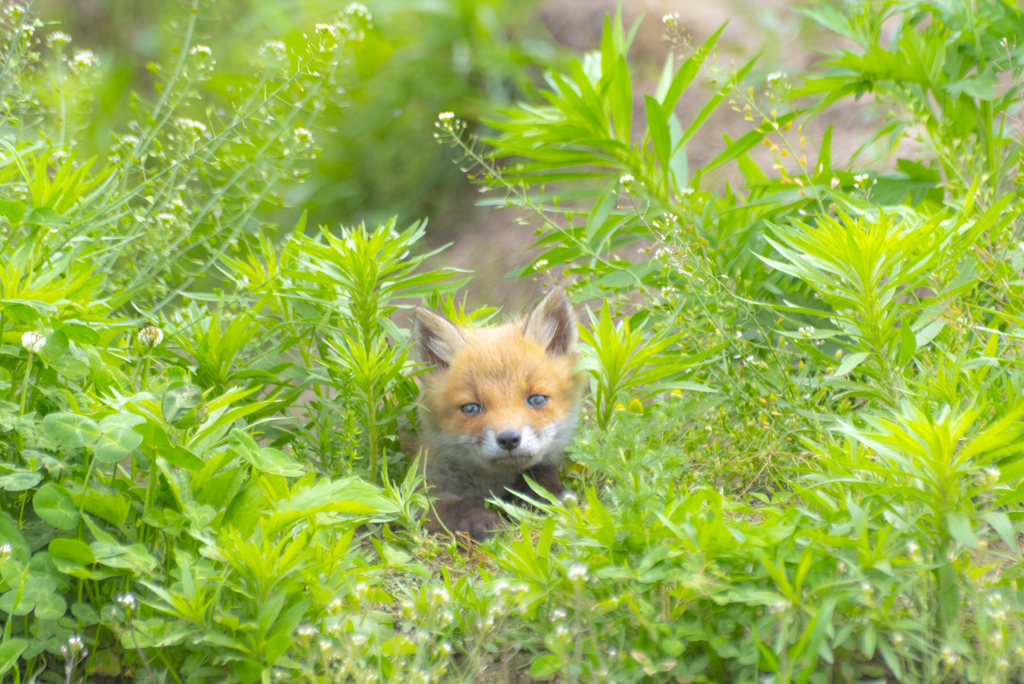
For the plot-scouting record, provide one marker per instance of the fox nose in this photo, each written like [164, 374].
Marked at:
[509, 440]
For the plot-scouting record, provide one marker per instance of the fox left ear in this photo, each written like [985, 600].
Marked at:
[553, 324]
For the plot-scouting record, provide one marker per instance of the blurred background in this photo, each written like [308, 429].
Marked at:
[378, 157]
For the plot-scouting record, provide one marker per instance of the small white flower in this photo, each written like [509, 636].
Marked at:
[127, 600]
[775, 77]
[834, 183]
[670, 19]
[307, 631]
[200, 51]
[540, 265]
[83, 60]
[992, 475]
[151, 336]
[446, 116]
[32, 342]
[328, 35]
[303, 137]
[358, 9]
[57, 40]
[626, 180]
[949, 657]
[75, 643]
[577, 572]
[5, 551]
[190, 126]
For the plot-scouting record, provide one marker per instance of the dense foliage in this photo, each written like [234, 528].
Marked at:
[801, 458]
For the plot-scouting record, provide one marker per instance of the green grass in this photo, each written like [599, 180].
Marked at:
[801, 456]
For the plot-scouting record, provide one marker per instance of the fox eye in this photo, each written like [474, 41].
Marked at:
[536, 400]
[470, 409]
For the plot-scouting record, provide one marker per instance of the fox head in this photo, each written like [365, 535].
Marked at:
[500, 399]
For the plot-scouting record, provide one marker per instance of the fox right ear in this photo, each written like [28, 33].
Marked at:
[438, 340]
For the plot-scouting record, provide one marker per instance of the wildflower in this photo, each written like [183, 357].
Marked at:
[190, 126]
[540, 265]
[328, 35]
[335, 606]
[75, 643]
[914, 551]
[200, 51]
[358, 640]
[303, 137]
[32, 342]
[867, 590]
[446, 648]
[358, 9]
[83, 61]
[57, 40]
[445, 117]
[626, 180]
[127, 601]
[992, 476]
[806, 332]
[834, 183]
[671, 19]
[439, 595]
[559, 614]
[897, 640]
[307, 631]
[151, 336]
[5, 551]
[577, 572]
[949, 657]
[775, 77]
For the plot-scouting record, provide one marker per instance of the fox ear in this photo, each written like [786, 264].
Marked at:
[553, 324]
[437, 339]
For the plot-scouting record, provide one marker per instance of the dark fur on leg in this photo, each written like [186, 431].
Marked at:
[463, 517]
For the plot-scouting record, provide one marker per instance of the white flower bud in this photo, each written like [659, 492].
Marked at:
[33, 342]
[150, 336]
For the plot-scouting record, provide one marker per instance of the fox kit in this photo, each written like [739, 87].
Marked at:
[499, 405]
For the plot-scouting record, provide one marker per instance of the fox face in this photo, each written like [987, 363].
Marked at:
[499, 400]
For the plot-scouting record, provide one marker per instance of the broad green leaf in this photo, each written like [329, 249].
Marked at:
[72, 549]
[52, 607]
[19, 482]
[53, 504]
[71, 430]
[116, 443]
[179, 399]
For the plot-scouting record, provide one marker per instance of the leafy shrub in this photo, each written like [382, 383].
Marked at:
[801, 458]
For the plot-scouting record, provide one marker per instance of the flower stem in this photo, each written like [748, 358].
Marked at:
[24, 384]
[145, 370]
